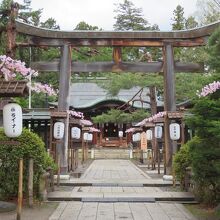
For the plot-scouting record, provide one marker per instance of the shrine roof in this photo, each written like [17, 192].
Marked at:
[85, 95]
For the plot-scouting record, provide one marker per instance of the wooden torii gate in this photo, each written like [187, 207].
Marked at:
[65, 40]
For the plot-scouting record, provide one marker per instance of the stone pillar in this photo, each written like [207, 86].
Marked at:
[169, 103]
[63, 102]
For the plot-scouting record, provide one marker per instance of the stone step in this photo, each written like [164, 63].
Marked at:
[122, 197]
[106, 153]
[115, 183]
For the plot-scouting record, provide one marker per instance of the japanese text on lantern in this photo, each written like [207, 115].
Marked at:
[13, 118]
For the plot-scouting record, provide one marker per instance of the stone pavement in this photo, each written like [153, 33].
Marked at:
[114, 170]
[119, 211]
[116, 191]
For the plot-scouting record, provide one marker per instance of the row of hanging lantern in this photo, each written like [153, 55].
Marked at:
[174, 129]
[12, 123]
[58, 132]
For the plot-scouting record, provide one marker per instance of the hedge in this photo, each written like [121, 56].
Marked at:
[30, 146]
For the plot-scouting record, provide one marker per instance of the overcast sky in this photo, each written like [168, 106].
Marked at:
[68, 13]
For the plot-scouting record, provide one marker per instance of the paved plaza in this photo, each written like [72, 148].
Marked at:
[113, 199]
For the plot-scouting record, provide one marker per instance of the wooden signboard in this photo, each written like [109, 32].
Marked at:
[143, 141]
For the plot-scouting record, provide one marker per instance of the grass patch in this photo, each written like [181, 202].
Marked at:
[203, 212]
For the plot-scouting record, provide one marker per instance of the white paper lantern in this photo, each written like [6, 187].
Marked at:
[138, 136]
[75, 132]
[134, 138]
[58, 130]
[158, 132]
[85, 136]
[149, 134]
[120, 133]
[90, 137]
[174, 131]
[12, 120]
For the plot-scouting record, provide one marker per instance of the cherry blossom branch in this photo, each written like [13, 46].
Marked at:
[76, 114]
[10, 68]
[209, 89]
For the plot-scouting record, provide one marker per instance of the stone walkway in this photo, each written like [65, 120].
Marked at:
[111, 200]
[114, 170]
[119, 211]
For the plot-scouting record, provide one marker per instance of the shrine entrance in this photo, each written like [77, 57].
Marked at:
[65, 40]
[110, 130]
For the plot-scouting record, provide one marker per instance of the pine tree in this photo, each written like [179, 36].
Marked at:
[205, 147]
[179, 20]
[129, 17]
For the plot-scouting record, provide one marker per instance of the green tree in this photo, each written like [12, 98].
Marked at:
[82, 25]
[179, 19]
[205, 147]
[129, 17]
[178, 24]
[50, 23]
[214, 52]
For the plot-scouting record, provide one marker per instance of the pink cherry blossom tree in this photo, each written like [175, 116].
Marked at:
[11, 69]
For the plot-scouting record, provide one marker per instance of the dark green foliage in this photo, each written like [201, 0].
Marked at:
[214, 50]
[129, 80]
[187, 84]
[118, 116]
[205, 147]
[31, 146]
[181, 161]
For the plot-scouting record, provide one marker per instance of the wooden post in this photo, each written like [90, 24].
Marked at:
[158, 160]
[83, 147]
[30, 182]
[85, 151]
[43, 185]
[58, 171]
[51, 177]
[51, 139]
[101, 134]
[20, 189]
[117, 59]
[63, 102]
[182, 136]
[170, 101]
[117, 55]
[153, 104]
[11, 31]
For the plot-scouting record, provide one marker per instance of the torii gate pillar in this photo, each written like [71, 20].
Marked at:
[63, 102]
[169, 104]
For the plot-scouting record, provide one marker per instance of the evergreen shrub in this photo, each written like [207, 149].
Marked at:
[30, 146]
